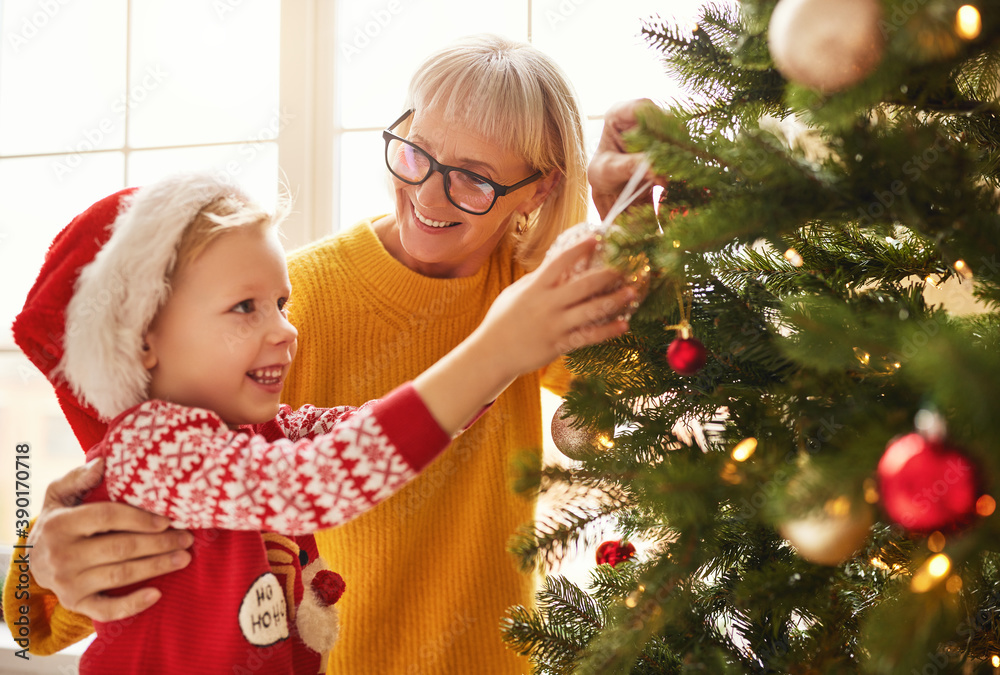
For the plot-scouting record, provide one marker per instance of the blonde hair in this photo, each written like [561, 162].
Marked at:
[219, 217]
[512, 93]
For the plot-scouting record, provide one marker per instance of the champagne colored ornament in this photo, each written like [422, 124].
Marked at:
[832, 535]
[576, 442]
[636, 267]
[927, 484]
[614, 552]
[827, 45]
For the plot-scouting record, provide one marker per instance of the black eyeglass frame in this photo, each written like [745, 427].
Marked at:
[443, 169]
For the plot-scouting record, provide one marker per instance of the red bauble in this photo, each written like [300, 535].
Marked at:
[329, 586]
[614, 552]
[926, 484]
[686, 355]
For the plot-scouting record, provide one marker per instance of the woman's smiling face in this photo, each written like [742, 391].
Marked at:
[436, 237]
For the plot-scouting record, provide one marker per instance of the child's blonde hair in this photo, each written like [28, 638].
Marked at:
[514, 94]
[217, 218]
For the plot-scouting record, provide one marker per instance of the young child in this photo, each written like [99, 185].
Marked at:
[165, 307]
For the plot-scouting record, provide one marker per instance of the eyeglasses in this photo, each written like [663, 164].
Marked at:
[465, 189]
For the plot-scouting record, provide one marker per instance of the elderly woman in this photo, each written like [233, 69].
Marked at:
[488, 167]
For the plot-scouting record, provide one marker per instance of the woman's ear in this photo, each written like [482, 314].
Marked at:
[544, 188]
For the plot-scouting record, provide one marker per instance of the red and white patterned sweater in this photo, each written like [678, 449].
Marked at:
[307, 469]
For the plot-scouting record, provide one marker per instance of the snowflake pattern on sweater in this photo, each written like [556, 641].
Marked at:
[185, 463]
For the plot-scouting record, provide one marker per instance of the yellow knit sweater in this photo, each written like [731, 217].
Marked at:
[428, 575]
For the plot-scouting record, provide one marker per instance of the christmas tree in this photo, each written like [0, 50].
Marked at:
[799, 431]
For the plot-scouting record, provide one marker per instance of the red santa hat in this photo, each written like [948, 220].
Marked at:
[104, 278]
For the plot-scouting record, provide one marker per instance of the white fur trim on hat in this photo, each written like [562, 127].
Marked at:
[120, 292]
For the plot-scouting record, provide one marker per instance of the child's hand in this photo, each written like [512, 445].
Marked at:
[531, 322]
[543, 314]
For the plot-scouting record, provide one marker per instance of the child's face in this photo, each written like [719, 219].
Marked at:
[222, 341]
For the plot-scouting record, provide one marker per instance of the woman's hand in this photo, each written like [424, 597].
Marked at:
[81, 550]
[612, 166]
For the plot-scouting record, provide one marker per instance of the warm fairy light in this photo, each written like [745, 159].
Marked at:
[632, 601]
[744, 449]
[968, 23]
[792, 256]
[931, 280]
[939, 565]
[936, 542]
[677, 244]
[931, 573]
[880, 564]
[838, 507]
[871, 491]
[897, 365]
[995, 661]
[863, 356]
[731, 474]
[954, 583]
[963, 268]
[606, 441]
[986, 505]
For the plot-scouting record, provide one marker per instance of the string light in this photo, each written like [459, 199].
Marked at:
[871, 491]
[995, 661]
[968, 23]
[677, 244]
[932, 280]
[792, 256]
[880, 564]
[731, 474]
[963, 268]
[744, 449]
[986, 505]
[606, 441]
[954, 583]
[936, 542]
[931, 573]
[863, 356]
[840, 506]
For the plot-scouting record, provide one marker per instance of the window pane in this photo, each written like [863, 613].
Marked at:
[29, 414]
[602, 51]
[253, 166]
[202, 72]
[36, 202]
[365, 186]
[380, 43]
[62, 76]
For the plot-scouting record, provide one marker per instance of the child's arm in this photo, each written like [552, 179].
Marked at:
[533, 321]
[185, 464]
